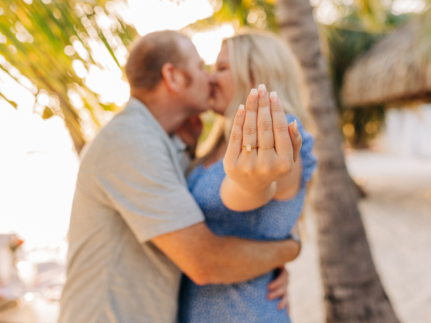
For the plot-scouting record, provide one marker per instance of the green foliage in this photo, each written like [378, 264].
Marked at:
[371, 16]
[353, 34]
[42, 40]
[258, 14]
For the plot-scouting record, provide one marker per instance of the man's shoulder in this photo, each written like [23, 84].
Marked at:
[127, 122]
[128, 127]
[126, 134]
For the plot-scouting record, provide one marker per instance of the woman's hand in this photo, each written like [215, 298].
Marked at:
[263, 147]
[278, 289]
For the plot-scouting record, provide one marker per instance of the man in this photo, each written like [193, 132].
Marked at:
[134, 225]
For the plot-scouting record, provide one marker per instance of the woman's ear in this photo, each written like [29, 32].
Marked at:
[170, 77]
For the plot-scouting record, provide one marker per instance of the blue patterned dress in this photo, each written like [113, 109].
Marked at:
[243, 302]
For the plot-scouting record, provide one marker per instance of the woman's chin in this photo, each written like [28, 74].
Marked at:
[218, 111]
[217, 107]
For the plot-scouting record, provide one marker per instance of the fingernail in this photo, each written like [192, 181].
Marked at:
[241, 110]
[253, 95]
[262, 90]
[295, 128]
[273, 97]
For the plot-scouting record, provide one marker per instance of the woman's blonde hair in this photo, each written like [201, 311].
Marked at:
[258, 57]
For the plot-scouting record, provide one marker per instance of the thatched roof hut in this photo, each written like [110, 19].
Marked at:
[395, 70]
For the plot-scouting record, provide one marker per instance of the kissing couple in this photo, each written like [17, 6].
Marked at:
[159, 235]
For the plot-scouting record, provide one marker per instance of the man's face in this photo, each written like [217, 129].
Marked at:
[195, 94]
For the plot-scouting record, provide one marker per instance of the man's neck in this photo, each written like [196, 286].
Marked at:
[163, 110]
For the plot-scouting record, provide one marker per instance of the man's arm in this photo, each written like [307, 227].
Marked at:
[210, 259]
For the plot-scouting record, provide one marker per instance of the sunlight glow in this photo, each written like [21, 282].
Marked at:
[17, 93]
[405, 6]
[153, 15]
[37, 175]
[108, 84]
[209, 43]
[326, 12]
[29, 297]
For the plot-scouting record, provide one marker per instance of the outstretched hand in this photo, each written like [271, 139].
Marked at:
[263, 147]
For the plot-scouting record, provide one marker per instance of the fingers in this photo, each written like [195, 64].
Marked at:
[250, 123]
[277, 293]
[265, 136]
[281, 280]
[235, 143]
[296, 139]
[278, 287]
[284, 303]
[283, 145]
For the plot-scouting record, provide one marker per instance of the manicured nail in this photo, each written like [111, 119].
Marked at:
[295, 128]
[241, 110]
[253, 95]
[273, 97]
[262, 90]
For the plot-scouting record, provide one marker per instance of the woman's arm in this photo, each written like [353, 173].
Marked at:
[255, 176]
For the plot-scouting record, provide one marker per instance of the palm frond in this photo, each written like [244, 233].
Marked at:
[42, 42]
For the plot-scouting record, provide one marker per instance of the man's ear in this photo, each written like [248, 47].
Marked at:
[170, 77]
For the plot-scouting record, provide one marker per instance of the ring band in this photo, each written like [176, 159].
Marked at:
[250, 147]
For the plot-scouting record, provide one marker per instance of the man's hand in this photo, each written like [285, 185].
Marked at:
[263, 148]
[189, 133]
[278, 289]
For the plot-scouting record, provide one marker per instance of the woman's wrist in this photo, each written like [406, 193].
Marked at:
[239, 198]
[258, 189]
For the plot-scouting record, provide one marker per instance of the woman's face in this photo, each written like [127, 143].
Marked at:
[223, 87]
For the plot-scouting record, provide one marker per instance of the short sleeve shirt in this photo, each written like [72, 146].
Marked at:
[130, 189]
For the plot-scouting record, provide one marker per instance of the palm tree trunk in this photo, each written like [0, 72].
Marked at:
[353, 292]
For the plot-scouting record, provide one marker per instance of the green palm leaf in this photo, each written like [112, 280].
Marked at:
[37, 34]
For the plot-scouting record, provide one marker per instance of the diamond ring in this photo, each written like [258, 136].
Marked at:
[249, 147]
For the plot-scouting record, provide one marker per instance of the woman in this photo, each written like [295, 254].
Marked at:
[269, 209]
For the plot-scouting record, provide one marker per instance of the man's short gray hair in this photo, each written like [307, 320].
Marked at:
[149, 54]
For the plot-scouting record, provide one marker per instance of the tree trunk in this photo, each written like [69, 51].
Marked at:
[353, 292]
[76, 135]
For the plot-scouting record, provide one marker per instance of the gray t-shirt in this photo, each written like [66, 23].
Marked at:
[130, 189]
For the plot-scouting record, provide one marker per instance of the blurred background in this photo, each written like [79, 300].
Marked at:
[62, 78]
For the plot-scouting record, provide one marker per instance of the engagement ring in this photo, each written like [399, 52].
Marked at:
[248, 147]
